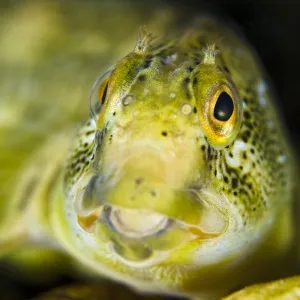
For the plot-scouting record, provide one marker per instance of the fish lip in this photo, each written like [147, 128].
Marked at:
[92, 208]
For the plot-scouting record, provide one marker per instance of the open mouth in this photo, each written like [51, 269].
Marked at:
[137, 224]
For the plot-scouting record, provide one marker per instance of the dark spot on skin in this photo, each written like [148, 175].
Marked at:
[188, 95]
[85, 144]
[78, 169]
[138, 181]
[153, 193]
[195, 81]
[235, 193]
[195, 109]
[248, 133]
[83, 160]
[203, 147]
[187, 80]
[209, 153]
[226, 179]
[164, 133]
[244, 155]
[226, 69]
[142, 78]
[114, 113]
[190, 69]
[147, 64]
[245, 138]
[250, 126]
[215, 172]
[89, 132]
[234, 182]
[252, 151]
[247, 115]
[230, 154]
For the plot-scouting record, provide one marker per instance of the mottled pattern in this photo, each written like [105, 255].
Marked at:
[83, 155]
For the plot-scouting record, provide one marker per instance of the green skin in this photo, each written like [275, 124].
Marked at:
[154, 149]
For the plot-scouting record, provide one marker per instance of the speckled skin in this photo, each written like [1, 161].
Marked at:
[248, 175]
[239, 223]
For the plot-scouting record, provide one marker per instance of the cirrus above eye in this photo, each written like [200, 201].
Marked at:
[224, 107]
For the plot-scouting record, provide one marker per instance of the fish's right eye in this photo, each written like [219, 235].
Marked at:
[98, 95]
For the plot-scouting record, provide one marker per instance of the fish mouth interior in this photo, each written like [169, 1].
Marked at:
[135, 223]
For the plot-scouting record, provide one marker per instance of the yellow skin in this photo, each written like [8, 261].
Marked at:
[158, 193]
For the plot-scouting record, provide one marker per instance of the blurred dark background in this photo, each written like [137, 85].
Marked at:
[272, 27]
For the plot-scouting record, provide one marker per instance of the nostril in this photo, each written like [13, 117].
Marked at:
[127, 100]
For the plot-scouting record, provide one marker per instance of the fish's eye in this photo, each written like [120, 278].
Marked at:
[221, 115]
[98, 95]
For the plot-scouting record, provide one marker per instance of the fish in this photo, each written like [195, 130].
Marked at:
[183, 179]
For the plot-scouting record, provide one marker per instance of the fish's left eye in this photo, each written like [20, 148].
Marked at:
[98, 95]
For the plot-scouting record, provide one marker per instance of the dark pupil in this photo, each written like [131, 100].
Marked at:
[224, 107]
[104, 94]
